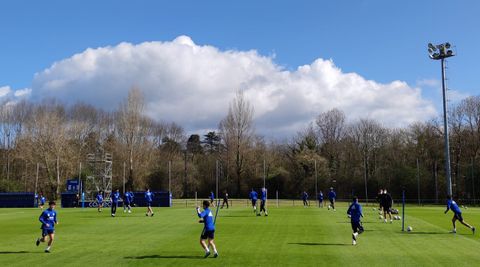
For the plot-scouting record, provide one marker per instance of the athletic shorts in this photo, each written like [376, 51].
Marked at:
[387, 208]
[331, 200]
[320, 200]
[46, 232]
[458, 216]
[127, 203]
[357, 227]
[254, 202]
[149, 204]
[207, 234]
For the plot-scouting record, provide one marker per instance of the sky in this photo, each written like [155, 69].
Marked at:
[293, 59]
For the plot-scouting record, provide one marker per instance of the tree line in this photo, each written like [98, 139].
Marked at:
[356, 157]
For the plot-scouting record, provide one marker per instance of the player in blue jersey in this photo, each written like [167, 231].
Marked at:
[99, 199]
[212, 199]
[48, 218]
[253, 197]
[263, 202]
[452, 205]
[42, 201]
[355, 214]
[208, 233]
[305, 199]
[149, 199]
[320, 199]
[114, 197]
[127, 201]
[332, 196]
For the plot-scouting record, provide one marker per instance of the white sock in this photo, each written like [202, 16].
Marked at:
[48, 248]
[207, 250]
[215, 250]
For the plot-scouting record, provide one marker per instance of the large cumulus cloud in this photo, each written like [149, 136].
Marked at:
[193, 84]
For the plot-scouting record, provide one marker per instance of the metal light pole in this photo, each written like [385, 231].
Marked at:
[441, 52]
[169, 177]
[316, 179]
[418, 182]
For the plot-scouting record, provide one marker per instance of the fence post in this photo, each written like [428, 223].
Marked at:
[403, 210]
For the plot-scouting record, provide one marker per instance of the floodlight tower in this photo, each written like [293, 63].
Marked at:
[441, 52]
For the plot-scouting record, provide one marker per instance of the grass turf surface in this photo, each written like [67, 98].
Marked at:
[290, 236]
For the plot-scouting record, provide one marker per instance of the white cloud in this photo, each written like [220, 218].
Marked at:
[193, 84]
[5, 91]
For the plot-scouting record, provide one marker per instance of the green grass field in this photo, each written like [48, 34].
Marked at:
[290, 236]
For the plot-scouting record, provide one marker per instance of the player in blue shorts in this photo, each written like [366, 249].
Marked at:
[208, 233]
[100, 201]
[114, 197]
[332, 197]
[212, 199]
[253, 197]
[127, 201]
[42, 201]
[452, 205]
[320, 199]
[149, 199]
[305, 199]
[355, 214]
[48, 218]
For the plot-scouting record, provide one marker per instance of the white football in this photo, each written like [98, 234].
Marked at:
[409, 229]
[380, 217]
[374, 209]
[399, 217]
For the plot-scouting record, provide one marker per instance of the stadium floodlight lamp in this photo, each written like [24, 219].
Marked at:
[440, 51]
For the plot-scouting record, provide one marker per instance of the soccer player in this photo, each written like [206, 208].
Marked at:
[225, 199]
[253, 197]
[149, 198]
[320, 199]
[208, 233]
[305, 199]
[48, 218]
[263, 201]
[332, 196]
[114, 197]
[452, 205]
[100, 201]
[42, 201]
[212, 198]
[355, 213]
[379, 199]
[387, 202]
[127, 201]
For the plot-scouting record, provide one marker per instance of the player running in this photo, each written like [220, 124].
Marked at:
[320, 199]
[127, 201]
[114, 197]
[305, 199]
[263, 202]
[253, 197]
[208, 233]
[386, 202]
[225, 199]
[48, 218]
[149, 199]
[100, 201]
[332, 196]
[42, 201]
[212, 199]
[379, 200]
[452, 205]
[355, 214]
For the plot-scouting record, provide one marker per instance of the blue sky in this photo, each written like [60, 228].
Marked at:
[382, 41]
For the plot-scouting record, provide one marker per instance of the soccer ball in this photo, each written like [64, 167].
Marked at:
[328, 207]
[399, 217]
[380, 217]
[409, 229]
[380, 213]
[374, 209]
[466, 207]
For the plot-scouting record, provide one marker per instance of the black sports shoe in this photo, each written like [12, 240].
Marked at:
[152, 214]
[37, 242]
[207, 254]
[473, 230]
[215, 255]
[47, 251]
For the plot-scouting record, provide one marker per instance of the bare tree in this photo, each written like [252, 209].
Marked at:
[237, 132]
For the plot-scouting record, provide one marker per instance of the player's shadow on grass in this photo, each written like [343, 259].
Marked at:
[14, 252]
[319, 244]
[428, 233]
[164, 257]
